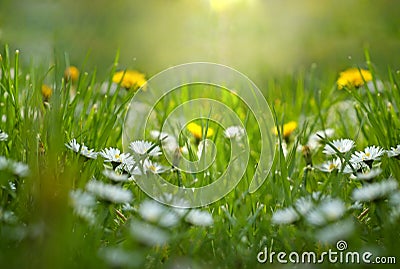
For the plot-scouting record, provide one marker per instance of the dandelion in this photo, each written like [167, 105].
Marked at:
[236, 132]
[341, 145]
[370, 154]
[71, 73]
[288, 129]
[145, 148]
[3, 136]
[108, 192]
[369, 174]
[353, 77]
[129, 79]
[393, 152]
[285, 216]
[114, 176]
[197, 130]
[46, 92]
[375, 191]
[330, 165]
[199, 218]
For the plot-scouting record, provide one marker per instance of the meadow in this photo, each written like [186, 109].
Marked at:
[69, 196]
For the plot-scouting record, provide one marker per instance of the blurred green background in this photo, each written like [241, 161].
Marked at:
[257, 37]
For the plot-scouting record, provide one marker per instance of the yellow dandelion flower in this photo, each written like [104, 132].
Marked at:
[129, 79]
[71, 73]
[197, 131]
[353, 77]
[46, 92]
[288, 129]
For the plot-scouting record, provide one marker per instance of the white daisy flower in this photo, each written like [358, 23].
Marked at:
[113, 155]
[285, 216]
[236, 132]
[144, 148]
[114, 176]
[3, 136]
[327, 211]
[73, 145]
[155, 212]
[199, 218]
[375, 191]
[314, 141]
[369, 174]
[341, 145]
[370, 154]
[109, 192]
[88, 153]
[394, 151]
[148, 166]
[330, 165]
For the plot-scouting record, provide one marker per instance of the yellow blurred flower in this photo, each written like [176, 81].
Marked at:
[197, 131]
[129, 79]
[46, 92]
[71, 73]
[288, 129]
[353, 77]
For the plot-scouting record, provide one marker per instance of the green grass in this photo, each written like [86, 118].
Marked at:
[39, 227]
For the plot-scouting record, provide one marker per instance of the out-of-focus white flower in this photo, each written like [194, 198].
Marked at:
[155, 212]
[336, 231]
[341, 145]
[327, 211]
[16, 168]
[83, 203]
[168, 141]
[3, 136]
[373, 191]
[148, 234]
[285, 216]
[371, 153]
[236, 132]
[314, 141]
[114, 176]
[109, 192]
[369, 174]
[144, 148]
[199, 218]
